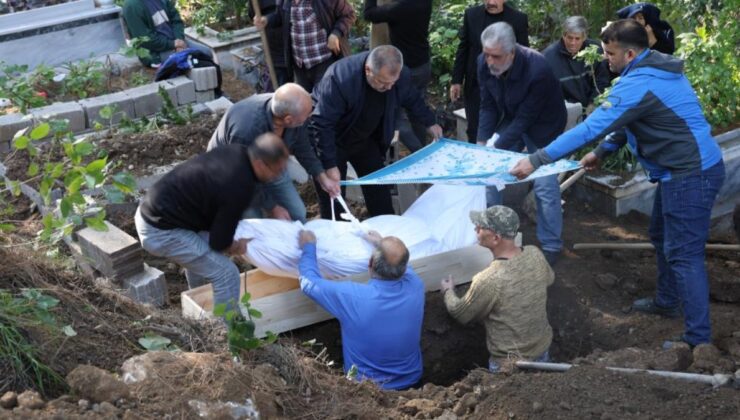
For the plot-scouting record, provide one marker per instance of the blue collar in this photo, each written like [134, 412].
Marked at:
[635, 61]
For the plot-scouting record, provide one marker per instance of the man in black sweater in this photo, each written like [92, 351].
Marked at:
[408, 24]
[190, 215]
[476, 19]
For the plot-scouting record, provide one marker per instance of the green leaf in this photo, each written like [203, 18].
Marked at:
[96, 224]
[40, 131]
[46, 302]
[255, 313]
[69, 331]
[73, 182]
[270, 337]
[219, 310]
[7, 227]
[91, 181]
[125, 182]
[33, 169]
[154, 342]
[114, 195]
[65, 207]
[96, 166]
[106, 112]
[20, 142]
[245, 298]
[15, 188]
[83, 148]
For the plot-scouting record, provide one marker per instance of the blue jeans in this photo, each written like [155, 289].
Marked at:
[679, 228]
[549, 208]
[191, 250]
[494, 367]
[281, 192]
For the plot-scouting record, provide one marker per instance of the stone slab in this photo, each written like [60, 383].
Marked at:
[218, 105]
[123, 103]
[185, 89]
[204, 78]
[114, 253]
[146, 99]
[70, 111]
[114, 242]
[148, 287]
[207, 96]
[11, 124]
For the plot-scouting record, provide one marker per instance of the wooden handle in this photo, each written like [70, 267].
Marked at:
[265, 46]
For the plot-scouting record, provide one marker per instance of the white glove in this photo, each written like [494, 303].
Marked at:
[490, 142]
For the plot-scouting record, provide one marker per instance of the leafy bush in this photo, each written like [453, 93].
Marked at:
[85, 78]
[21, 88]
[241, 330]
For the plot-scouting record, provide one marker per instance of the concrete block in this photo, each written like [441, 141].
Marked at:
[120, 64]
[218, 105]
[205, 78]
[114, 253]
[185, 89]
[146, 99]
[11, 124]
[148, 286]
[206, 96]
[171, 90]
[123, 104]
[70, 111]
[4, 146]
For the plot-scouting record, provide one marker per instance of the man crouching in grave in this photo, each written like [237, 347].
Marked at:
[190, 215]
[283, 113]
[381, 319]
[510, 296]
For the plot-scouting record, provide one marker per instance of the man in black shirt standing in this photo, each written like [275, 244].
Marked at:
[190, 215]
[476, 19]
[357, 102]
[408, 24]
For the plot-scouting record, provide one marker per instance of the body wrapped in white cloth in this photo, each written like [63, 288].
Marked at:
[437, 222]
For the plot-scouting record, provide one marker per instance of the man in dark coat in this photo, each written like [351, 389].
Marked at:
[315, 34]
[522, 105]
[356, 106]
[464, 73]
[580, 82]
[275, 41]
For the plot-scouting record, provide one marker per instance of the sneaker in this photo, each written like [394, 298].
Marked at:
[551, 257]
[649, 306]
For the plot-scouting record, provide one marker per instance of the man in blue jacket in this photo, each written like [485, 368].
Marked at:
[381, 319]
[356, 106]
[522, 105]
[656, 113]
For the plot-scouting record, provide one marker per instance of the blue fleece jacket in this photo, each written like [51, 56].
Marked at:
[655, 111]
[380, 322]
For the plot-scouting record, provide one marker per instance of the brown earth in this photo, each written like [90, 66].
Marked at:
[588, 309]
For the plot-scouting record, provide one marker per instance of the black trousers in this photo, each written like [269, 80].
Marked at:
[472, 109]
[365, 160]
[308, 78]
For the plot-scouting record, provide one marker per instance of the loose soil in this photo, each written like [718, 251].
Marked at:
[588, 308]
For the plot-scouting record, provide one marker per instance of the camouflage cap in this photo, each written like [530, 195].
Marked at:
[499, 219]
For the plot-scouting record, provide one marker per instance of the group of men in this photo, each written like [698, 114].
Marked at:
[345, 110]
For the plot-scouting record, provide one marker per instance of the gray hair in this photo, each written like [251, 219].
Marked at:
[288, 100]
[384, 269]
[499, 33]
[385, 56]
[575, 25]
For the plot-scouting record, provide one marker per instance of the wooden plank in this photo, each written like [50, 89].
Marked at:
[287, 310]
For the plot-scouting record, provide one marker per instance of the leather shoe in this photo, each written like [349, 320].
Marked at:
[649, 306]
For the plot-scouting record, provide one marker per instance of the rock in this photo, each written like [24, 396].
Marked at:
[96, 384]
[418, 405]
[107, 409]
[678, 358]
[606, 281]
[469, 400]
[9, 400]
[707, 358]
[30, 400]
[459, 409]
[83, 404]
[537, 407]
[447, 415]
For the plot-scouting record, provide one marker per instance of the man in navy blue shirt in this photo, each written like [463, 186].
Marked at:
[380, 320]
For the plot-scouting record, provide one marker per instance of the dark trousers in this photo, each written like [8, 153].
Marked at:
[308, 78]
[366, 160]
[412, 133]
[679, 228]
[472, 108]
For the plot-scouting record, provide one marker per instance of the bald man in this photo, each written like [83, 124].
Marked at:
[283, 113]
[381, 319]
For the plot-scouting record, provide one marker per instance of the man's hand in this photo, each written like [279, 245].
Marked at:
[455, 92]
[522, 169]
[260, 23]
[435, 131]
[280, 213]
[333, 174]
[180, 45]
[329, 185]
[446, 284]
[333, 44]
[238, 248]
[373, 237]
[651, 35]
[590, 161]
[306, 237]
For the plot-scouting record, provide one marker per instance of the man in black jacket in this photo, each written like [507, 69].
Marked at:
[408, 24]
[522, 105]
[464, 73]
[315, 34]
[190, 215]
[356, 106]
[274, 40]
[284, 113]
[580, 82]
